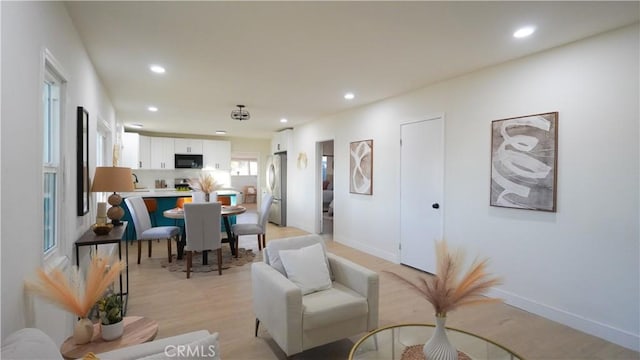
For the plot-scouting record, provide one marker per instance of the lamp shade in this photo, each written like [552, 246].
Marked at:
[112, 179]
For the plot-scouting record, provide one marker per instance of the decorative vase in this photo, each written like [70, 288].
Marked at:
[112, 331]
[206, 197]
[83, 331]
[439, 347]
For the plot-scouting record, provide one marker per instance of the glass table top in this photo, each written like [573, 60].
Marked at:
[389, 343]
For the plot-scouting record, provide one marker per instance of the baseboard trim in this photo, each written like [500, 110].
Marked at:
[366, 248]
[589, 326]
[607, 332]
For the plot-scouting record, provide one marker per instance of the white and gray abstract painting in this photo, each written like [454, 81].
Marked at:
[361, 167]
[523, 162]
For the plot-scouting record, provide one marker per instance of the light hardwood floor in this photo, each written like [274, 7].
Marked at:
[223, 304]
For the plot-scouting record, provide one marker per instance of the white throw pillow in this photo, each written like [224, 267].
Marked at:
[307, 268]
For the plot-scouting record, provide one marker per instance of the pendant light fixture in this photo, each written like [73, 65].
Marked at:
[240, 113]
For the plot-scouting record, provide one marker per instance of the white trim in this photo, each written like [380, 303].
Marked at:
[366, 248]
[589, 326]
[50, 65]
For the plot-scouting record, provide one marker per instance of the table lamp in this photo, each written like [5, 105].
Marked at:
[116, 179]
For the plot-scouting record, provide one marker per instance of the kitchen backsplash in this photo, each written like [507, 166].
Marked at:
[147, 178]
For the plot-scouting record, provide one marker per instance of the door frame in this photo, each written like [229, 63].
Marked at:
[435, 116]
[318, 183]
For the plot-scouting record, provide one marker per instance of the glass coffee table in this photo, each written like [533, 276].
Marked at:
[404, 342]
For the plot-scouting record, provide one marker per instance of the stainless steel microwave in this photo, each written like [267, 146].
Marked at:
[188, 161]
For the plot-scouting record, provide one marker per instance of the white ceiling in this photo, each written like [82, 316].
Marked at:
[297, 59]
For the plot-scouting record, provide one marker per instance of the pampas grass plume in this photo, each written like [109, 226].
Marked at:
[71, 293]
[449, 289]
[206, 183]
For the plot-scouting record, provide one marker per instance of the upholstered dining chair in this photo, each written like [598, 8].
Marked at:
[144, 230]
[306, 297]
[202, 222]
[152, 208]
[259, 229]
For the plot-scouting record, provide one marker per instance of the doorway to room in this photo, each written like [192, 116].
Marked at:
[325, 168]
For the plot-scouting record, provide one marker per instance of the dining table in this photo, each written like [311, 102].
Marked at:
[226, 211]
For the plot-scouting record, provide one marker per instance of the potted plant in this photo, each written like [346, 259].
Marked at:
[110, 310]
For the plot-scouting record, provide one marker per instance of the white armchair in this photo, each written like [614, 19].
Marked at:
[299, 322]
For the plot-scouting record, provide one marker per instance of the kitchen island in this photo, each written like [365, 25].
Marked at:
[166, 199]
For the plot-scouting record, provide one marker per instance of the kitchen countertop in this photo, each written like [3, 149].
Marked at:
[169, 192]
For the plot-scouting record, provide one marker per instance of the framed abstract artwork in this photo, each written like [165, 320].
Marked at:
[82, 161]
[524, 157]
[361, 167]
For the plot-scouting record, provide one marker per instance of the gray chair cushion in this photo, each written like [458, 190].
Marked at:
[246, 229]
[160, 232]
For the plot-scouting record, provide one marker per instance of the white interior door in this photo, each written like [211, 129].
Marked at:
[421, 192]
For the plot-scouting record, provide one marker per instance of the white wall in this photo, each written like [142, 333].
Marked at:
[580, 265]
[27, 29]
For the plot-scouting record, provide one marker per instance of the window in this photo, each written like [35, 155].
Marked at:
[51, 95]
[244, 167]
[102, 151]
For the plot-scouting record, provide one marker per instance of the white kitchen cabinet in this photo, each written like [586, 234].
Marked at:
[216, 154]
[144, 153]
[129, 156]
[188, 146]
[281, 141]
[162, 153]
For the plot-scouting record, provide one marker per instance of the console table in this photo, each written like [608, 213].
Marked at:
[113, 237]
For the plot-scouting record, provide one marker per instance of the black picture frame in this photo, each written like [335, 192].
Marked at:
[82, 141]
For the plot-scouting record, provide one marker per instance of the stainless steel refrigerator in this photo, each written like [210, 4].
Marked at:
[277, 187]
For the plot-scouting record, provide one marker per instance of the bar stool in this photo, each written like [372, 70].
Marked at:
[181, 201]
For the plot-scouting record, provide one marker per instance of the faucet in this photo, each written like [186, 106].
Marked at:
[136, 178]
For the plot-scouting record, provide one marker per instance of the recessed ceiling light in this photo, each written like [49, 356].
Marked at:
[220, 132]
[283, 120]
[349, 96]
[157, 69]
[136, 126]
[152, 108]
[524, 32]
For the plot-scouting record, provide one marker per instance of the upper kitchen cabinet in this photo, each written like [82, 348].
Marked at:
[162, 153]
[281, 141]
[136, 151]
[188, 146]
[144, 153]
[129, 157]
[216, 154]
